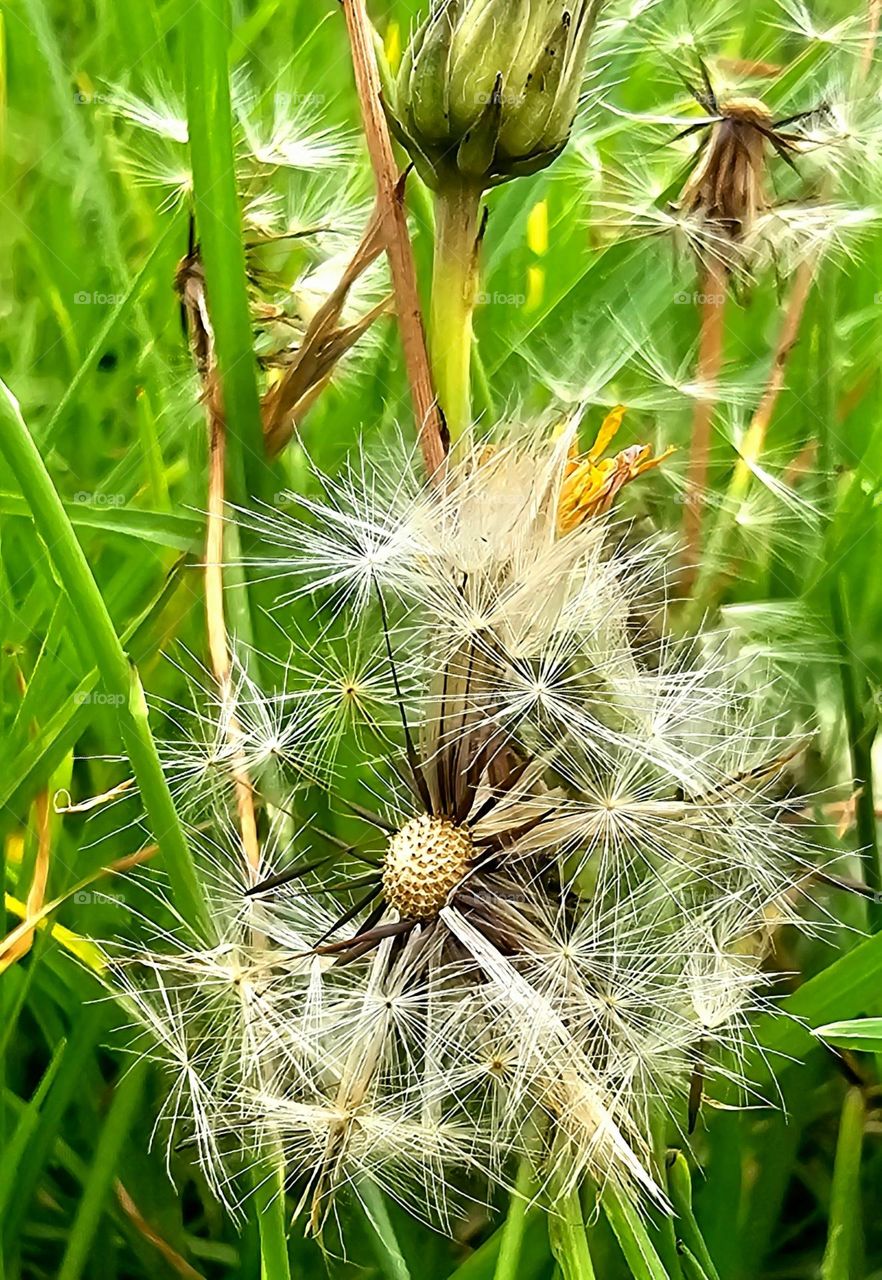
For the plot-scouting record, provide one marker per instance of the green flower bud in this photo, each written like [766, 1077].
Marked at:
[488, 89]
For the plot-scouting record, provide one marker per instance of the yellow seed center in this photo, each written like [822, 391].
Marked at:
[424, 863]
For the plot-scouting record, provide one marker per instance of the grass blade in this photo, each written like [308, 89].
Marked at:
[841, 1256]
[99, 638]
[633, 1238]
[569, 1240]
[511, 1235]
[206, 38]
[120, 1118]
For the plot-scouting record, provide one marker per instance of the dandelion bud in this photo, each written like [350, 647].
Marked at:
[488, 89]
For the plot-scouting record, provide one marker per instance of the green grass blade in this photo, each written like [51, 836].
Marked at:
[569, 1239]
[385, 1242]
[841, 1256]
[269, 1209]
[120, 1119]
[115, 317]
[23, 1133]
[857, 1033]
[511, 1235]
[206, 36]
[99, 638]
[630, 1231]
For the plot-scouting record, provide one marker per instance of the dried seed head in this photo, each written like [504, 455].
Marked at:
[727, 185]
[425, 861]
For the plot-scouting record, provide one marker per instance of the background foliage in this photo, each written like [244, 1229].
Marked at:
[576, 312]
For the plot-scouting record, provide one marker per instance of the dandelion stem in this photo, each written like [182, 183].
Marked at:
[569, 1240]
[100, 640]
[512, 1234]
[430, 423]
[454, 294]
[713, 293]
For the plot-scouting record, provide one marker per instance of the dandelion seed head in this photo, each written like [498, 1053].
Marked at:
[424, 863]
[573, 861]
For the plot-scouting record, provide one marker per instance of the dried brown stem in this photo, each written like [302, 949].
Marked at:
[390, 203]
[218, 640]
[875, 13]
[170, 1256]
[323, 345]
[191, 289]
[713, 287]
[787, 338]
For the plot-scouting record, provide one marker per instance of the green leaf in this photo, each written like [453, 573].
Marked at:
[856, 1033]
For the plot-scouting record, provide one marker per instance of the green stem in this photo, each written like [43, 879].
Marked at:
[454, 295]
[512, 1235]
[842, 1254]
[269, 1206]
[569, 1239]
[100, 640]
[687, 1228]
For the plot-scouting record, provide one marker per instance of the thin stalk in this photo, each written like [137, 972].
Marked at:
[454, 294]
[754, 438]
[713, 287]
[269, 1209]
[688, 1230]
[430, 424]
[508, 1263]
[869, 51]
[569, 1239]
[218, 639]
[842, 1252]
[270, 1188]
[101, 642]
